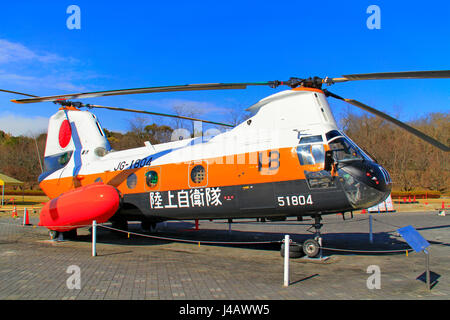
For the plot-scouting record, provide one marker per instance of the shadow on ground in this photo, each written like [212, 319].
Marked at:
[353, 242]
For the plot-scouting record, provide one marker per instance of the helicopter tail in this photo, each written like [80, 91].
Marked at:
[71, 134]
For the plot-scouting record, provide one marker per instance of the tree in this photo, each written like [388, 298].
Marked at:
[411, 162]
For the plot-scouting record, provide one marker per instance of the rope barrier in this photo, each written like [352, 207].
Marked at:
[222, 242]
[72, 226]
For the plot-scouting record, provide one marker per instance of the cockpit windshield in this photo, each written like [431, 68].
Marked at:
[344, 150]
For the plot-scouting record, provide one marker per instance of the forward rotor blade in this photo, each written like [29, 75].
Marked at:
[383, 115]
[157, 114]
[187, 87]
[15, 92]
[439, 74]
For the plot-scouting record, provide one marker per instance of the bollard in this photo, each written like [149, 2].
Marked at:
[370, 229]
[94, 237]
[286, 260]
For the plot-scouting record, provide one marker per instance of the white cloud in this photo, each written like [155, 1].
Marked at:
[20, 125]
[55, 82]
[24, 69]
[15, 52]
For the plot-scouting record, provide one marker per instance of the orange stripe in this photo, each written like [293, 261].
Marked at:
[222, 171]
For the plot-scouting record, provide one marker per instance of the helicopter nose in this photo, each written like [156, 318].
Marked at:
[365, 183]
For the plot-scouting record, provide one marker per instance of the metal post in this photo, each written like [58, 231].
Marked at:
[319, 240]
[3, 193]
[370, 229]
[286, 260]
[94, 238]
[229, 225]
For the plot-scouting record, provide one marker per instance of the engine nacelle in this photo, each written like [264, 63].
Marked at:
[80, 207]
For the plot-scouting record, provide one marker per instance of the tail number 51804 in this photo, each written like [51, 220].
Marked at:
[294, 200]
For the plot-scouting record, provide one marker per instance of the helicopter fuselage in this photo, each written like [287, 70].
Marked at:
[288, 159]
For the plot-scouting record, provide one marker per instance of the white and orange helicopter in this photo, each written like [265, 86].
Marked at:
[288, 159]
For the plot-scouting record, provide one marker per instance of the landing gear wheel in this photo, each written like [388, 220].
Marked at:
[311, 248]
[295, 250]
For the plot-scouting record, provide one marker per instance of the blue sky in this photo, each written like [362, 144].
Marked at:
[129, 44]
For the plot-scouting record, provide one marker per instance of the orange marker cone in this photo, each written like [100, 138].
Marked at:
[26, 219]
[14, 212]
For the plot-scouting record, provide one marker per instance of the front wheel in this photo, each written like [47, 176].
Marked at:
[311, 248]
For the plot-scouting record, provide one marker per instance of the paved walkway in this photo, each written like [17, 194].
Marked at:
[32, 267]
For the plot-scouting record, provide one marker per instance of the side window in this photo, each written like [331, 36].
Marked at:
[198, 174]
[132, 181]
[311, 154]
[151, 178]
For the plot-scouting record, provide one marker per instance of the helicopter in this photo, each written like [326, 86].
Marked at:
[289, 159]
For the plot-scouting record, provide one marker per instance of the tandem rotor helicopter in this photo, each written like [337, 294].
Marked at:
[288, 159]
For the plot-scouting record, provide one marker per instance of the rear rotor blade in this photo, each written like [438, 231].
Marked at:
[439, 74]
[383, 115]
[157, 114]
[187, 87]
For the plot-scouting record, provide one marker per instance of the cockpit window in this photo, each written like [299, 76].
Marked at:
[332, 134]
[310, 154]
[343, 150]
[311, 139]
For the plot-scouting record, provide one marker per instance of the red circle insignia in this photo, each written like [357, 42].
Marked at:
[65, 134]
